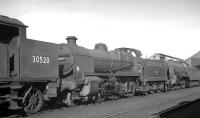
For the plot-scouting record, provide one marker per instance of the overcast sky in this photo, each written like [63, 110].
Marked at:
[152, 26]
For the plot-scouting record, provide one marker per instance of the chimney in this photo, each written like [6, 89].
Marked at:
[71, 40]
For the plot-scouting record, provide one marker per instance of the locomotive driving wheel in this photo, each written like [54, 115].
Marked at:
[33, 101]
[165, 87]
[132, 88]
[99, 97]
[187, 84]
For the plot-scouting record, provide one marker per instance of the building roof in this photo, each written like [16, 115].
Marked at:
[196, 55]
[11, 21]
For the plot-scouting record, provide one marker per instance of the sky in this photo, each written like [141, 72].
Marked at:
[152, 26]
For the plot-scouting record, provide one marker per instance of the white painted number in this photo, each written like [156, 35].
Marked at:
[40, 59]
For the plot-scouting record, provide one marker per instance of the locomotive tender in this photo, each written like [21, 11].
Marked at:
[32, 72]
[27, 67]
[178, 70]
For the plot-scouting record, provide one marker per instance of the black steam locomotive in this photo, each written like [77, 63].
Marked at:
[33, 72]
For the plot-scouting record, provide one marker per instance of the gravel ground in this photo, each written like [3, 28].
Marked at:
[116, 106]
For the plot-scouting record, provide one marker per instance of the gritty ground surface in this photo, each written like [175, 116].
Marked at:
[191, 111]
[154, 102]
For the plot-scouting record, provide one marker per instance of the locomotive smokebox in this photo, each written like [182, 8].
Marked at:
[71, 40]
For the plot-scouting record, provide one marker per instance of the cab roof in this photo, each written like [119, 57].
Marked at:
[11, 21]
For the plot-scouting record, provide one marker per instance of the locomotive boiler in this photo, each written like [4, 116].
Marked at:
[95, 73]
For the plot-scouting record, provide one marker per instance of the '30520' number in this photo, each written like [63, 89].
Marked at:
[40, 59]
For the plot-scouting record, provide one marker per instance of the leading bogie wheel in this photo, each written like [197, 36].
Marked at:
[69, 99]
[33, 101]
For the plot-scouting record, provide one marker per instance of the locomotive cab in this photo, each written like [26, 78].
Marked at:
[10, 35]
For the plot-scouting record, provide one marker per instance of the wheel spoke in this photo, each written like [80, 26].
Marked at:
[36, 94]
[29, 105]
[32, 106]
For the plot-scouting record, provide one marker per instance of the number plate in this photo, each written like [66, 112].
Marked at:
[41, 59]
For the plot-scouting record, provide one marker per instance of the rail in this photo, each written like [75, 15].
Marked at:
[157, 115]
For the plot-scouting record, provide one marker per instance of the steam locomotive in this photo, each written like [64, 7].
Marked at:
[33, 72]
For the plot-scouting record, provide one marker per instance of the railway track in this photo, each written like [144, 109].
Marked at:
[185, 94]
[156, 115]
